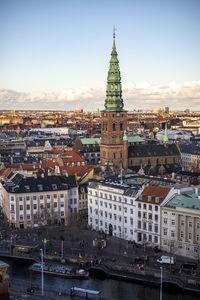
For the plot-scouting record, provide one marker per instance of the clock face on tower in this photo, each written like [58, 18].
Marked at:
[118, 114]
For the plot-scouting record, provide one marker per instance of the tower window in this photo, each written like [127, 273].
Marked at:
[114, 155]
[114, 127]
[121, 126]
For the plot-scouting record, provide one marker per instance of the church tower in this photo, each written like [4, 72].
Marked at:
[113, 118]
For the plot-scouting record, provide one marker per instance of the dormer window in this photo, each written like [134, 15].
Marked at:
[27, 188]
[40, 187]
[54, 186]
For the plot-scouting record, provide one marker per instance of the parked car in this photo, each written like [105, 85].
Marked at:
[166, 260]
[189, 266]
[30, 291]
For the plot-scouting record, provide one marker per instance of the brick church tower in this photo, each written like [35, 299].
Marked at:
[113, 147]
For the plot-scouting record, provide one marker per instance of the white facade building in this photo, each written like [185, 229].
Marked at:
[111, 209]
[148, 214]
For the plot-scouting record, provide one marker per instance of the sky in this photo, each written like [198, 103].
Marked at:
[55, 54]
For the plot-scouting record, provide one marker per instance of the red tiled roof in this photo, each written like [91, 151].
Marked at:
[155, 191]
[79, 171]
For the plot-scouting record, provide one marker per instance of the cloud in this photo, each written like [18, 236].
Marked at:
[142, 95]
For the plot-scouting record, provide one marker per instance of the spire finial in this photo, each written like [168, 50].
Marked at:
[114, 29]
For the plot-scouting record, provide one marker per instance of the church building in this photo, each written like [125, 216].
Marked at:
[115, 149]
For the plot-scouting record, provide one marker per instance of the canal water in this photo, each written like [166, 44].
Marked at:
[111, 289]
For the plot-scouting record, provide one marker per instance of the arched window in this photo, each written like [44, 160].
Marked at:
[114, 127]
[121, 126]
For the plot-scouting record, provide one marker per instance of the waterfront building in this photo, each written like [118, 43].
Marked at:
[29, 202]
[180, 223]
[148, 213]
[112, 208]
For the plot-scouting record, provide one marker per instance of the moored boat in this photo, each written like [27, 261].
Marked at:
[60, 270]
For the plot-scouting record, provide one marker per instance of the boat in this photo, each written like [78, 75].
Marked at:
[60, 270]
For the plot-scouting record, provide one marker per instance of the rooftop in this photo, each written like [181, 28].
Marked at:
[190, 200]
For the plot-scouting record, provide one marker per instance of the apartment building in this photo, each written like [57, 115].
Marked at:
[29, 202]
[180, 224]
[148, 214]
[112, 209]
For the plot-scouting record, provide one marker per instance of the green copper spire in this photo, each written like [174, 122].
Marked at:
[114, 101]
[165, 140]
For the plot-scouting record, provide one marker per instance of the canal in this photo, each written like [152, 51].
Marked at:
[111, 289]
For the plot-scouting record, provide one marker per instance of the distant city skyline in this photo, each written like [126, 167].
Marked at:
[55, 54]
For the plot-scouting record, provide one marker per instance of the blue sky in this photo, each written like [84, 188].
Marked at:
[60, 50]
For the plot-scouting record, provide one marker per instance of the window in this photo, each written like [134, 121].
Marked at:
[62, 213]
[48, 196]
[182, 222]
[21, 207]
[131, 211]
[144, 225]
[27, 198]
[120, 208]
[165, 220]
[156, 228]
[110, 205]
[182, 234]
[48, 205]
[125, 219]
[41, 197]
[150, 207]
[150, 227]
[131, 221]
[105, 203]
[150, 216]
[144, 206]
[164, 231]
[61, 196]
[55, 204]
[27, 206]
[139, 205]
[34, 206]
[120, 199]
[144, 215]
[156, 208]
[150, 238]
[115, 207]
[28, 217]
[190, 224]
[155, 239]
[172, 233]
[139, 214]
[190, 236]
[125, 209]
[139, 224]
[156, 217]
[173, 222]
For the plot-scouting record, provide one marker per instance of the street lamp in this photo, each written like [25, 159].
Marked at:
[41, 252]
[161, 275]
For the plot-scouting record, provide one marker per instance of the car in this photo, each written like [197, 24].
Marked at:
[189, 266]
[30, 291]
